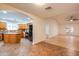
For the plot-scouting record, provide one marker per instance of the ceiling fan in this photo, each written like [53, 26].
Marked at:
[72, 18]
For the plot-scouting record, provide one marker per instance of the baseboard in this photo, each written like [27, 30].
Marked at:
[37, 42]
[68, 35]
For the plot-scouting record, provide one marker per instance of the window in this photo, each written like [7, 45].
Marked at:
[69, 30]
[12, 26]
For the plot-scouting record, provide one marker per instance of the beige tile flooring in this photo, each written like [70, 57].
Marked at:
[57, 46]
[47, 49]
[69, 42]
[15, 49]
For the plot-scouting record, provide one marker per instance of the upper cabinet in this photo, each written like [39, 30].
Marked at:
[2, 25]
[23, 26]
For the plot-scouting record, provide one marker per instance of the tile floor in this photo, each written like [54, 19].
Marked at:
[45, 48]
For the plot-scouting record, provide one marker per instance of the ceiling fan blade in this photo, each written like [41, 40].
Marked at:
[75, 19]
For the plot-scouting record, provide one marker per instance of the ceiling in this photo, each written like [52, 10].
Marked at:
[10, 16]
[57, 9]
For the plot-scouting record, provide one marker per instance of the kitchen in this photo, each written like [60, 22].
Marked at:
[14, 26]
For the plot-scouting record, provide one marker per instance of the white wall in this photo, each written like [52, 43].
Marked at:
[53, 28]
[75, 26]
[38, 30]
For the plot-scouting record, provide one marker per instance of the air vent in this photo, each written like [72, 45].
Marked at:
[48, 8]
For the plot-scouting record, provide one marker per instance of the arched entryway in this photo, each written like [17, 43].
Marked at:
[13, 22]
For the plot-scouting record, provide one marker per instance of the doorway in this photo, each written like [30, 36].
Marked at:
[29, 33]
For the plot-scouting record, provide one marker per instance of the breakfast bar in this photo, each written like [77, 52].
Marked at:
[11, 37]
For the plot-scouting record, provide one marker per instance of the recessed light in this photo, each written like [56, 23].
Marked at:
[28, 18]
[40, 4]
[5, 12]
[3, 18]
[71, 20]
[31, 21]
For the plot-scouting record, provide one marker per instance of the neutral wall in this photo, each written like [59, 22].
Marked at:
[38, 30]
[63, 26]
[53, 28]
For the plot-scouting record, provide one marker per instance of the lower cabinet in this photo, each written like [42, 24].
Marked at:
[1, 37]
[12, 38]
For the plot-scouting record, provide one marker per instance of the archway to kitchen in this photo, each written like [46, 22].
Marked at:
[14, 26]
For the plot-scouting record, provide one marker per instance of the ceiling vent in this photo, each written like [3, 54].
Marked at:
[48, 8]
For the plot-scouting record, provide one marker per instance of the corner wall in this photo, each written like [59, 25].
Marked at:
[53, 28]
[38, 30]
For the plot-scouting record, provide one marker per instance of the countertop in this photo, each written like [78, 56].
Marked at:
[8, 32]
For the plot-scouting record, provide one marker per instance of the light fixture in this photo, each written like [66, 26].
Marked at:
[28, 18]
[5, 12]
[31, 21]
[40, 4]
[3, 18]
[71, 20]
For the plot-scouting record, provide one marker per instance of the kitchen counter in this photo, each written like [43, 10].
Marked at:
[11, 37]
[1, 32]
[11, 33]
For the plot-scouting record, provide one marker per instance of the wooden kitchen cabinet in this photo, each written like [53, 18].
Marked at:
[2, 25]
[11, 38]
[23, 26]
[0, 36]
